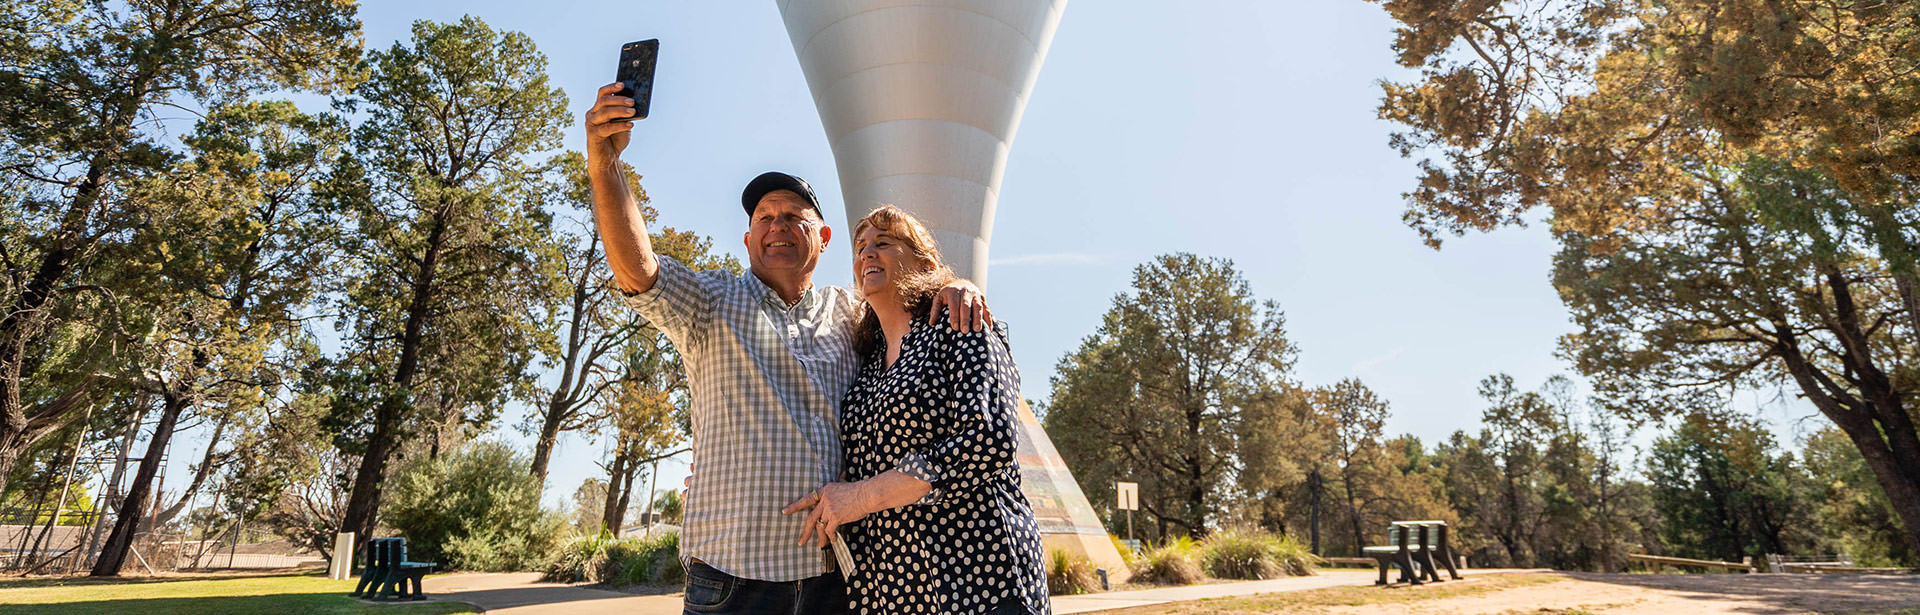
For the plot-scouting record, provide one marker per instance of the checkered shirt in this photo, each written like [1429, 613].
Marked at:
[767, 382]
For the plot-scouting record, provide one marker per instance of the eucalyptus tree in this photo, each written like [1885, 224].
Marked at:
[1733, 184]
[82, 85]
[452, 260]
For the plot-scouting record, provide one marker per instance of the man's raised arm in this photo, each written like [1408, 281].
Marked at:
[622, 228]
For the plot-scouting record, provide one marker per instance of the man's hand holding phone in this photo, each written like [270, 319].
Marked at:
[621, 103]
[609, 125]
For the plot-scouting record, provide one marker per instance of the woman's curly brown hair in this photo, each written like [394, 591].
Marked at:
[916, 289]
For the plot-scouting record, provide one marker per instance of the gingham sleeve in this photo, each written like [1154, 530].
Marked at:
[978, 375]
[678, 304]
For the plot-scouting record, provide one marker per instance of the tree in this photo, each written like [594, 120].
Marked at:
[452, 257]
[1724, 492]
[1176, 377]
[1852, 512]
[239, 254]
[77, 82]
[589, 502]
[1357, 418]
[598, 326]
[1512, 424]
[1763, 149]
[1611, 499]
[649, 414]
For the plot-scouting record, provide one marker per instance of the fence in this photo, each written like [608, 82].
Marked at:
[68, 549]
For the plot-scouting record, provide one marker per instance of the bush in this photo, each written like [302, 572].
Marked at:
[473, 509]
[617, 561]
[1070, 574]
[1171, 563]
[1250, 554]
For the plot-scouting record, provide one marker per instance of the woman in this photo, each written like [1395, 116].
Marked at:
[933, 512]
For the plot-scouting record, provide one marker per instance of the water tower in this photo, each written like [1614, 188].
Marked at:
[920, 100]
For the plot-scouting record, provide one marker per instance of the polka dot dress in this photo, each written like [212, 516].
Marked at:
[943, 413]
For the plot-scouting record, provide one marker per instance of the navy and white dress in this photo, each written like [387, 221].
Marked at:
[943, 413]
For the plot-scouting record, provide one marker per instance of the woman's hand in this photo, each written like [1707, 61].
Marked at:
[837, 503]
[833, 505]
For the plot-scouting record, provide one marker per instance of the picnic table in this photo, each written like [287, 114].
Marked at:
[1419, 549]
[388, 572]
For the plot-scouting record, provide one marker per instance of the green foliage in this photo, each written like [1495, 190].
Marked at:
[1725, 492]
[601, 558]
[451, 264]
[1186, 374]
[1127, 553]
[88, 219]
[1252, 554]
[1069, 574]
[475, 508]
[1173, 562]
[1853, 511]
[669, 505]
[1732, 184]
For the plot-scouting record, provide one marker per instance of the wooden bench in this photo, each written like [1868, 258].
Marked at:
[388, 573]
[1419, 549]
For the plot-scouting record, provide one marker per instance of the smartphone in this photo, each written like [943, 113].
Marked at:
[636, 74]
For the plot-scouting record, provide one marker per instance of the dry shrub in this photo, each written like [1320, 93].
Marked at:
[1070, 574]
[1172, 563]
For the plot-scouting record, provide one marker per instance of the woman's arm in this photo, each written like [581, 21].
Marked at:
[837, 504]
[980, 382]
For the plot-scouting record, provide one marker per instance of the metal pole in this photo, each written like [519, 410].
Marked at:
[653, 487]
[66, 486]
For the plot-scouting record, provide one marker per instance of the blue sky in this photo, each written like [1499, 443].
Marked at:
[1242, 130]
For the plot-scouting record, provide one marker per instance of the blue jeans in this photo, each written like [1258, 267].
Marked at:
[712, 592]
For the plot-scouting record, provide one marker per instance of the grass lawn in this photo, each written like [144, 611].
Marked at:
[1317, 600]
[294, 594]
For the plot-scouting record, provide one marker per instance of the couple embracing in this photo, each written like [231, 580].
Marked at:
[883, 418]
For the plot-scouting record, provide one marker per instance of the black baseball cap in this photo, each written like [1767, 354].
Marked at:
[775, 180]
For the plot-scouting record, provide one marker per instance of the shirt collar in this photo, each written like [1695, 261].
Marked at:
[808, 296]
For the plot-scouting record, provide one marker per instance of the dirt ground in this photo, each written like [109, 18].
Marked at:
[1699, 594]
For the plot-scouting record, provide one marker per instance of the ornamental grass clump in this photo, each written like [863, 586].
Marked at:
[1068, 573]
[618, 561]
[1252, 554]
[1171, 563]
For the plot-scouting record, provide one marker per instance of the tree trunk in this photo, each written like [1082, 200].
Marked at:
[1902, 489]
[18, 429]
[549, 433]
[364, 503]
[364, 500]
[611, 512]
[1353, 513]
[567, 394]
[114, 554]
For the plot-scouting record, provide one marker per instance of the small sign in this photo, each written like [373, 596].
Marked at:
[1126, 496]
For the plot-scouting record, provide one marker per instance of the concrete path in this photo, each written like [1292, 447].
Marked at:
[1119, 600]
[523, 594]
[1326, 577]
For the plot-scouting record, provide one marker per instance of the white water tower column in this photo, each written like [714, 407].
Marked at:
[920, 100]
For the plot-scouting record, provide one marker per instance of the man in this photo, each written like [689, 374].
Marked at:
[768, 358]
